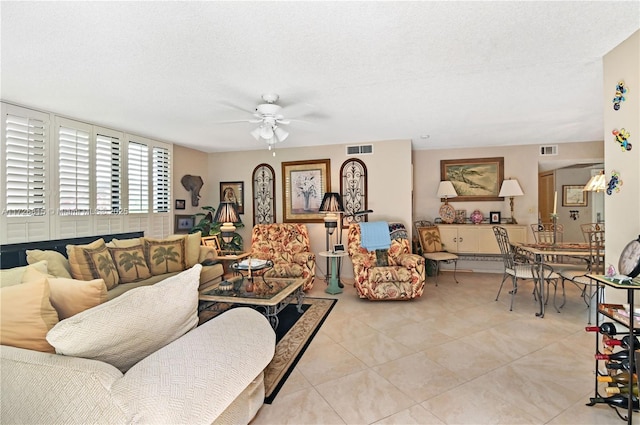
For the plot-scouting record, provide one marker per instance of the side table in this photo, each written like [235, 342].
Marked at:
[333, 287]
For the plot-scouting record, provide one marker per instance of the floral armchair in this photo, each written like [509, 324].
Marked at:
[403, 276]
[287, 245]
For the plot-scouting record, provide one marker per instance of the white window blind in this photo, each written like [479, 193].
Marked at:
[108, 175]
[73, 171]
[161, 180]
[25, 167]
[138, 175]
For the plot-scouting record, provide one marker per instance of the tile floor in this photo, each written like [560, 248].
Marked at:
[453, 356]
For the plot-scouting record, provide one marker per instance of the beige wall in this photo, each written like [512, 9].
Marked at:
[520, 162]
[622, 210]
[196, 163]
[389, 182]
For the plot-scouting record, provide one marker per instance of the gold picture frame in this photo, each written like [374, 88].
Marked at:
[474, 179]
[574, 196]
[304, 184]
[213, 242]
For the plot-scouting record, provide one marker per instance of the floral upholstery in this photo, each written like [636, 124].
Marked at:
[402, 279]
[287, 245]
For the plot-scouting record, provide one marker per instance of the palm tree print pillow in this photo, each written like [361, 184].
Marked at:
[130, 263]
[430, 239]
[101, 266]
[165, 256]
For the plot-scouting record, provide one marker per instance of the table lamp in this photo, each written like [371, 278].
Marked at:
[227, 214]
[446, 191]
[331, 204]
[511, 188]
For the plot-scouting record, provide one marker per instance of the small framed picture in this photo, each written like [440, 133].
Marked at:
[233, 192]
[494, 217]
[180, 204]
[212, 241]
[183, 223]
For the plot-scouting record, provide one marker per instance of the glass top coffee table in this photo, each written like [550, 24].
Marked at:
[268, 297]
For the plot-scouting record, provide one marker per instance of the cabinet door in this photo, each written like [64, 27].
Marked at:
[468, 239]
[487, 241]
[517, 234]
[449, 238]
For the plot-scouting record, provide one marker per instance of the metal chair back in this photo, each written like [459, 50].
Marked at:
[506, 249]
[590, 227]
[547, 233]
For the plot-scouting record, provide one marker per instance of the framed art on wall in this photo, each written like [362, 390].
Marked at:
[183, 223]
[304, 183]
[233, 192]
[212, 241]
[494, 217]
[574, 196]
[180, 204]
[474, 179]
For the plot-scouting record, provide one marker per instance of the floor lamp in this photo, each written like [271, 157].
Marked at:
[332, 205]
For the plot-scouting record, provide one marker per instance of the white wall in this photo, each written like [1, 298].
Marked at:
[622, 210]
[389, 182]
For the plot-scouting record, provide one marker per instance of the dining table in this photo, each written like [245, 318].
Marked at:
[541, 253]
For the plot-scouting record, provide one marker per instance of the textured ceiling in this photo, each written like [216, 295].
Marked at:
[463, 73]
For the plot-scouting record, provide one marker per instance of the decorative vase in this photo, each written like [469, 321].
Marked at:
[476, 217]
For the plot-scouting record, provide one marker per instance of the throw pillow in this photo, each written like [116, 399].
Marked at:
[70, 297]
[14, 276]
[148, 318]
[192, 247]
[165, 256]
[26, 315]
[430, 239]
[101, 266]
[58, 265]
[80, 268]
[124, 243]
[130, 263]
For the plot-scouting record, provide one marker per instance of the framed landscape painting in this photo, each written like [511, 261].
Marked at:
[574, 196]
[474, 179]
[304, 184]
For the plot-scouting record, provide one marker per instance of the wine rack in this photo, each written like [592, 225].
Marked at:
[618, 314]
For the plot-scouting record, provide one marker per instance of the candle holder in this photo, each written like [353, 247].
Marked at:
[554, 219]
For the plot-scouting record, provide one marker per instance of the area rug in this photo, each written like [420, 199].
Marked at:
[293, 336]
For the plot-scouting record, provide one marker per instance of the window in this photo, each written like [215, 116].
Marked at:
[161, 180]
[25, 166]
[108, 171]
[73, 171]
[138, 175]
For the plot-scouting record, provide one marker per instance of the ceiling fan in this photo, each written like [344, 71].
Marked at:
[270, 118]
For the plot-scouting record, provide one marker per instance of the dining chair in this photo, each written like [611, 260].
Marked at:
[587, 228]
[544, 233]
[432, 247]
[595, 265]
[517, 266]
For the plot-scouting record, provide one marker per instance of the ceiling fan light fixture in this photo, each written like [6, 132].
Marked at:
[281, 134]
[266, 132]
[256, 133]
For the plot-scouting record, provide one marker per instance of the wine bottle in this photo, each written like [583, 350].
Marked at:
[620, 355]
[624, 342]
[617, 365]
[619, 378]
[607, 328]
[617, 400]
[622, 390]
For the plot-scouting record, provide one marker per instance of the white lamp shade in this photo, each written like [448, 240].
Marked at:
[281, 134]
[446, 190]
[510, 188]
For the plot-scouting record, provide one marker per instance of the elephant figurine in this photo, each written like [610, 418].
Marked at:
[193, 184]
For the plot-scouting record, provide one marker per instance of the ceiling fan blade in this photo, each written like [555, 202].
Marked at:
[239, 108]
[298, 110]
[256, 121]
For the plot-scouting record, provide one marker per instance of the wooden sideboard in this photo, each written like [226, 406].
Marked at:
[477, 238]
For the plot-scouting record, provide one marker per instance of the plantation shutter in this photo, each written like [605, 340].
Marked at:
[161, 180]
[73, 171]
[138, 175]
[25, 166]
[108, 175]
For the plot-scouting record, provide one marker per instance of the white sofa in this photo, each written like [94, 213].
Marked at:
[212, 374]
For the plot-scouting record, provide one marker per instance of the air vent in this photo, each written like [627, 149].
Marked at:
[549, 150]
[360, 150]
